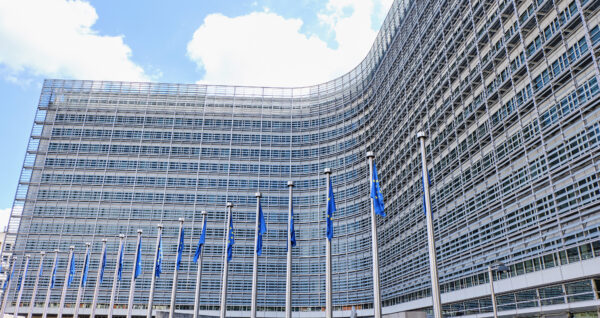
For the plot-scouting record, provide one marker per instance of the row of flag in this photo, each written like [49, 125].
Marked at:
[375, 194]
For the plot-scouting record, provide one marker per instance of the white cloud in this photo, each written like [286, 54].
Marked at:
[266, 49]
[55, 38]
[4, 216]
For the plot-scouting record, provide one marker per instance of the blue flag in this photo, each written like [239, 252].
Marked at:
[292, 229]
[9, 277]
[138, 260]
[201, 242]
[262, 229]
[180, 248]
[24, 276]
[230, 240]
[120, 263]
[376, 194]
[53, 279]
[423, 185]
[330, 210]
[103, 266]
[159, 257]
[86, 268]
[71, 271]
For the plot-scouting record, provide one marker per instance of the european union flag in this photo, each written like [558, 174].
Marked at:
[262, 229]
[292, 229]
[9, 277]
[138, 260]
[180, 247]
[201, 242]
[24, 275]
[376, 194]
[423, 185]
[103, 262]
[71, 271]
[330, 210]
[53, 279]
[230, 240]
[159, 257]
[86, 267]
[120, 264]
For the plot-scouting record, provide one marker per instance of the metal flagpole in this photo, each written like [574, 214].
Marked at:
[255, 261]
[225, 266]
[288, 274]
[63, 295]
[153, 281]
[113, 293]
[35, 285]
[49, 291]
[328, 296]
[175, 272]
[21, 286]
[435, 287]
[80, 291]
[97, 287]
[6, 291]
[132, 285]
[199, 274]
[375, 248]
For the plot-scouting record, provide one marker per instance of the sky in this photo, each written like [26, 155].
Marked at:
[234, 42]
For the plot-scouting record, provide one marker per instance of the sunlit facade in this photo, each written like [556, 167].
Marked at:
[507, 92]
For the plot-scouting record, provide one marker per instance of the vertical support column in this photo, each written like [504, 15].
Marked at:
[288, 274]
[375, 248]
[255, 260]
[199, 273]
[35, 285]
[435, 287]
[492, 294]
[64, 290]
[98, 277]
[153, 281]
[225, 265]
[328, 288]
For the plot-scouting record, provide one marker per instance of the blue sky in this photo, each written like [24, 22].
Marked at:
[256, 42]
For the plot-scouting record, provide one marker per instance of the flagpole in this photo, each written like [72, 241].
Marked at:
[435, 287]
[80, 291]
[49, 291]
[63, 295]
[97, 287]
[132, 285]
[225, 266]
[16, 314]
[35, 285]
[199, 274]
[288, 274]
[375, 248]
[175, 272]
[115, 278]
[255, 261]
[7, 290]
[328, 295]
[153, 281]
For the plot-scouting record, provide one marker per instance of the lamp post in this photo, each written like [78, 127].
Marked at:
[496, 267]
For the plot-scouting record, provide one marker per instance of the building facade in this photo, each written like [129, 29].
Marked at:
[506, 90]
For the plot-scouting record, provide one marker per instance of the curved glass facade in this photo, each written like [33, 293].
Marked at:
[507, 92]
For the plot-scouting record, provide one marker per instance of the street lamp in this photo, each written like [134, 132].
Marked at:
[495, 267]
